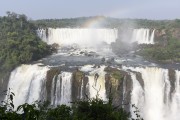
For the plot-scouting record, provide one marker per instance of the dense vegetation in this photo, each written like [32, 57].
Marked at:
[92, 109]
[19, 42]
[169, 52]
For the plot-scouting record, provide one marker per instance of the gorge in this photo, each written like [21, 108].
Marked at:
[70, 74]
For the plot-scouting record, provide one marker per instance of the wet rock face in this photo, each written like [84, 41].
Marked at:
[78, 84]
[4, 79]
[139, 78]
[172, 81]
[175, 33]
[118, 85]
[85, 91]
[49, 78]
[161, 35]
[127, 84]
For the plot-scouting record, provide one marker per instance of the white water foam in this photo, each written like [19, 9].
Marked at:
[27, 83]
[156, 94]
[143, 36]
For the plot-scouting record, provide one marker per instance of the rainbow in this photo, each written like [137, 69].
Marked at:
[94, 22]
[97, 21]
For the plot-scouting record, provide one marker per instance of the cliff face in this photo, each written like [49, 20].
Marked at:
[4, 79]
[162, 34]
[49, 79]
[118, 87]
[175, 32]
[79, 82]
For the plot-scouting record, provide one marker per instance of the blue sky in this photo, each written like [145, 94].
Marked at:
[39, 9]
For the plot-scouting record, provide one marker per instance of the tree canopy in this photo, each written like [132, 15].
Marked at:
[19, 42]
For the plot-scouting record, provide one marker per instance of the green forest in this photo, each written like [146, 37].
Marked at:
[169, 52]
[19, 42]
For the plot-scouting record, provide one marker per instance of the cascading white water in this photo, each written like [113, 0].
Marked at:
[27, 83]
[143, 36]
[175, 105]
[83, 37]
[53, 89]
[42, 34]
[91, 37]
[154, 101]
[154, 107]
[62, 86]
[137, 95]
[61, 89]
[97, 87]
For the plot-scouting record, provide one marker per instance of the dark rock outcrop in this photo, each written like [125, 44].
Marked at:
[49, 78]
[118, 85]
[78, 83]
[172, 80]
[4, 79]
[161, 35]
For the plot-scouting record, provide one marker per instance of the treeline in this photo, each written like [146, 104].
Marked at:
[80, 22]
[107, 22]
[19, 42]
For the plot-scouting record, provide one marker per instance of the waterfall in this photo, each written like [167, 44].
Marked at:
[97, 87]
[175, 105]
[154, 100]
[143, 36]
[137, 95]
[42, 34]
[154, 107]
[91, 37]
[61, 89]
[27, 83]
[152, 37]
[81, 36]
